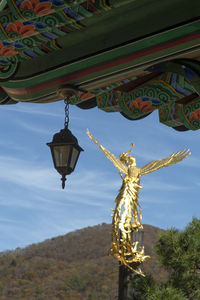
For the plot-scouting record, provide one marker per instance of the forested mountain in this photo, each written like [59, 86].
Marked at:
[75, 266]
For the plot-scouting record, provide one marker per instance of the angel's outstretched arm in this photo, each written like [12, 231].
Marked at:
[161, 163]
[117, 163]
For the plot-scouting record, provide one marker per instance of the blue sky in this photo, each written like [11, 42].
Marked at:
[33, 207]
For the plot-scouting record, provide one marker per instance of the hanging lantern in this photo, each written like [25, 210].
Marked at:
[65, 149]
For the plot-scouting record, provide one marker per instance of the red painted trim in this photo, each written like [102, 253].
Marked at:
[22, 91]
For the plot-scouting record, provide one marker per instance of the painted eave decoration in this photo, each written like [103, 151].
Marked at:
[126, 56]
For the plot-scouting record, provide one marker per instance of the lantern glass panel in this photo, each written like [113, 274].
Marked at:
[74, 157]
[61, 155]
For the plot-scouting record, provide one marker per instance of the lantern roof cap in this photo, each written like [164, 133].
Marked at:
[64, 137]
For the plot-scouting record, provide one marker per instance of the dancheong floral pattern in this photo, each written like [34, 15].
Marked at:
[31, 28]
[21, 29]
[145, 106]
[41, 8]
[195, 115]
[7, 51]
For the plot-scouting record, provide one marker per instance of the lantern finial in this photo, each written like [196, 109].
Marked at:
[63, 178]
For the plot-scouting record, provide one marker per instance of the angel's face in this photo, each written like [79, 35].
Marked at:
[128, 160]
[132, 161]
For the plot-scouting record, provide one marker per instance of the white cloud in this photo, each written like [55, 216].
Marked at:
[158, 183]
[34, 127]
[55, 110]
[7, 220]
[192, 161]
[29, 109]
[27, 173]
[93, 189]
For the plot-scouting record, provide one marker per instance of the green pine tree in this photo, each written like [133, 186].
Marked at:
[179, 252]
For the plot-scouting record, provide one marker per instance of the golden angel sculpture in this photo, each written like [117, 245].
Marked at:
[127, 214]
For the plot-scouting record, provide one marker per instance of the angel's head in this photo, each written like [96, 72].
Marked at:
[129, 160]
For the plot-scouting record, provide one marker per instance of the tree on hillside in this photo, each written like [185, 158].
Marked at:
[179, 252]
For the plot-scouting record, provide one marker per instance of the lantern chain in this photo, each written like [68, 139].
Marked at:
[66, 124]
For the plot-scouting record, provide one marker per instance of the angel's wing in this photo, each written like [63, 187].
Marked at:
[117, 163]
[161, 163]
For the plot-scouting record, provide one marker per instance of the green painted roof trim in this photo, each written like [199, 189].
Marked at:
[102, 58]
[2, 4]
